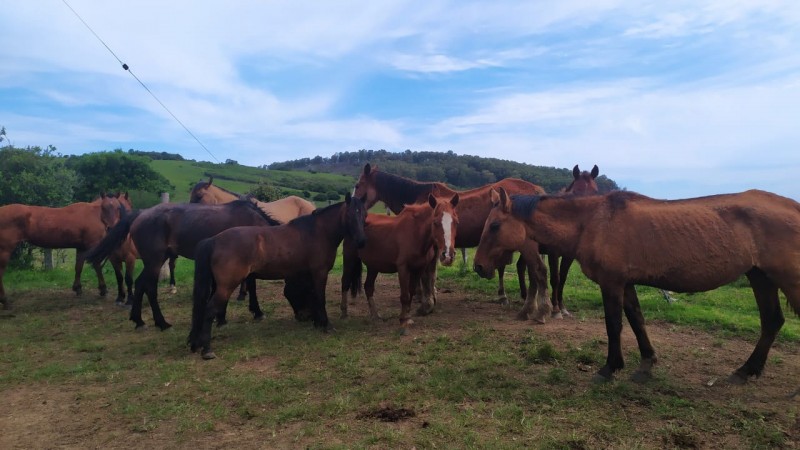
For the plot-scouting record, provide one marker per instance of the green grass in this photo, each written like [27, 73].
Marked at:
[474, 385]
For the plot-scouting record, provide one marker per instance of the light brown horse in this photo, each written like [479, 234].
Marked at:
[79, 226]
[307, 244]
[407, 244]
[283, 210]
[473, 206]
[622, 239]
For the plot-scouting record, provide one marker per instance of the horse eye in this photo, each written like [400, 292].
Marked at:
[494, 226]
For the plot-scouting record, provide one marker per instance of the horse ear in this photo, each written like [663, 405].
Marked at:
[347, 198]
[210, 180]
[595, 171]
[505, 201]
[102, 195]
[432, 201]
[126, 195]
[454, 200]
[576, 173]
[367, 169]
[495, 197]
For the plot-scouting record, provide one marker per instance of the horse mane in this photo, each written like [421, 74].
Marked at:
[306, 222]
[402, 189]
[248, 204]
[618, 200]
[522, 206]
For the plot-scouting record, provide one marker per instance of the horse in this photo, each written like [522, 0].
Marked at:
[282, 210]
[306, 244]
[407, 244]
[583, 183]
[169, 230]
[396, 191]
[79, 226]
[622, 239]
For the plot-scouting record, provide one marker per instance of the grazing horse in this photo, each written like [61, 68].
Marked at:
[282, 210]
[79, 226]
[473, 207]
[583, 183]
[409, 245]
[622, 239]
[306, 244]
[169, 230]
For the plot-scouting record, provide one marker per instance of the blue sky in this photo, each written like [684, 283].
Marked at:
[671, 99]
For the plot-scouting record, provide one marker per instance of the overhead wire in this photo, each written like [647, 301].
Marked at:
[127, 69]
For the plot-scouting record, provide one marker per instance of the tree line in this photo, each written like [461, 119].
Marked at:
[459, 171]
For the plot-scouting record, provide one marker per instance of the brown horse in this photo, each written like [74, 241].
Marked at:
[407, 244]
[79, 226]
[306, 244]
[282, 210]
[622, 239]
[583, 183]
[473, 207]
[169, 230]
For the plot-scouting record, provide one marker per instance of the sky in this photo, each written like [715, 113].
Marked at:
[672, 99]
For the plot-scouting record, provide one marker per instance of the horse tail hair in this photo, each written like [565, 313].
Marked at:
[351, 271]
[113, 239]
[355, 283]
[203, 286]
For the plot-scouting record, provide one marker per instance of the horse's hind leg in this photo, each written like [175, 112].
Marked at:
[242, 292]
[552, 262]
[4, 257]
[116, 264]
[369, 292]
[566, 263]
[612, 307]
[769, 309]
[254, 307]
[633, 312]
[171, 264]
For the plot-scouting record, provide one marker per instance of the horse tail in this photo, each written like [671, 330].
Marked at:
[113, 239]
[203, 287]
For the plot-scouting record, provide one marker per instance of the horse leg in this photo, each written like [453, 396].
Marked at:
[552, 261]
[406, 279]
[566, 263]
[130, 264]
[522, 266]
[369, 292]
[612, 306]
[218, 301]
[147, 283]
[501, 289]
[253, 306]
[537, 272]
[76, 284]
[138, 294]
[172, 289]
[427, 280]
[101, 280]
[318, 308]
[633, 312]
[242, 291]
[769, 310]
[5, 255]
[346, 274]
[116, 264]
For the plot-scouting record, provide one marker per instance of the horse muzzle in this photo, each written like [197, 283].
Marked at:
[482, 271]
[447, 258]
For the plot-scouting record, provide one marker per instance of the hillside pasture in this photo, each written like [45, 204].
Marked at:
[74, 374]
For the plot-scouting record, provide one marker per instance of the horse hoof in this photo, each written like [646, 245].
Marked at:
[222, 324]
[173, 290]
[423, 311]
[141, 327]
[556, 315]
[343, 316]
[103, 292]
[241, 298]
[208, 355]
[641, 376]
[258, 318]
[601, 379]
[330, 329]
[404, 331]
[737, 379]
[503, 300]
[566, 313]
[165, 326]
[522, 315]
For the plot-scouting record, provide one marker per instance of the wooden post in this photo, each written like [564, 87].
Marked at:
[48, 258]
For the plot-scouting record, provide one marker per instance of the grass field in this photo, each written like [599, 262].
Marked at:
[74, 374]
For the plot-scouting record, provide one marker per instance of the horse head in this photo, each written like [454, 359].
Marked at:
[199, 192]
[365, 186]
[583, 182]
[502, 234]
[445, 223]
[355, 214]
[111, 210]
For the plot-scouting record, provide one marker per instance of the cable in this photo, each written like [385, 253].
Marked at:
[127, 68]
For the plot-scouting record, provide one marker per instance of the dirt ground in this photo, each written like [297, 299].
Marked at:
[43, 416]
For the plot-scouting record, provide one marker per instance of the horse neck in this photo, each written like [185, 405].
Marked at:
[224, 196]
[396, 191]
[420, 219]
[328, 223]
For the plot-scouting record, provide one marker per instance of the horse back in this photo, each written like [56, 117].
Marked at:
[74, 226]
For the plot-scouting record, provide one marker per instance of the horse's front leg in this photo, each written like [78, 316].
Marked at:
[427, 281]
[150, 287]
[320, 278]
[501, 288]
[612, 306]
[116, 264]
[254, 307]
[369, 292]
[406, 286]
[633, 312]
[5, 255]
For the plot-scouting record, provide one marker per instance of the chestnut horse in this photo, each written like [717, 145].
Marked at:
[170, 230]
[283, 210]
[79, 226]
[409, 245]
[583, 183]
[622, 239]
[307, 244]
[473, 207]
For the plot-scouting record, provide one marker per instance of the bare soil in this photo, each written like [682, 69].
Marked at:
[44, 416]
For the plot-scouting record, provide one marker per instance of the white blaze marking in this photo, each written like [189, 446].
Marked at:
[447, 222]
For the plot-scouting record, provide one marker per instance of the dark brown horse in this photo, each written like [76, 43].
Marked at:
[407, 244]
[307, 244]
[583, 183]
[473, 206]
[622, 239]
[79, 226]
[170, 230]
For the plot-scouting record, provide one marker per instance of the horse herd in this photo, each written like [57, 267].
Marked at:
[620, 239]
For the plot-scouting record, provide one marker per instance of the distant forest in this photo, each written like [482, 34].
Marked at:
[460, 171]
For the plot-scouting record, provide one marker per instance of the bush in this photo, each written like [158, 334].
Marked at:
[333, 196]
[321, 197]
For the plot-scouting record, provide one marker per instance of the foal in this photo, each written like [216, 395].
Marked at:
[409, 245]
[306, 244]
